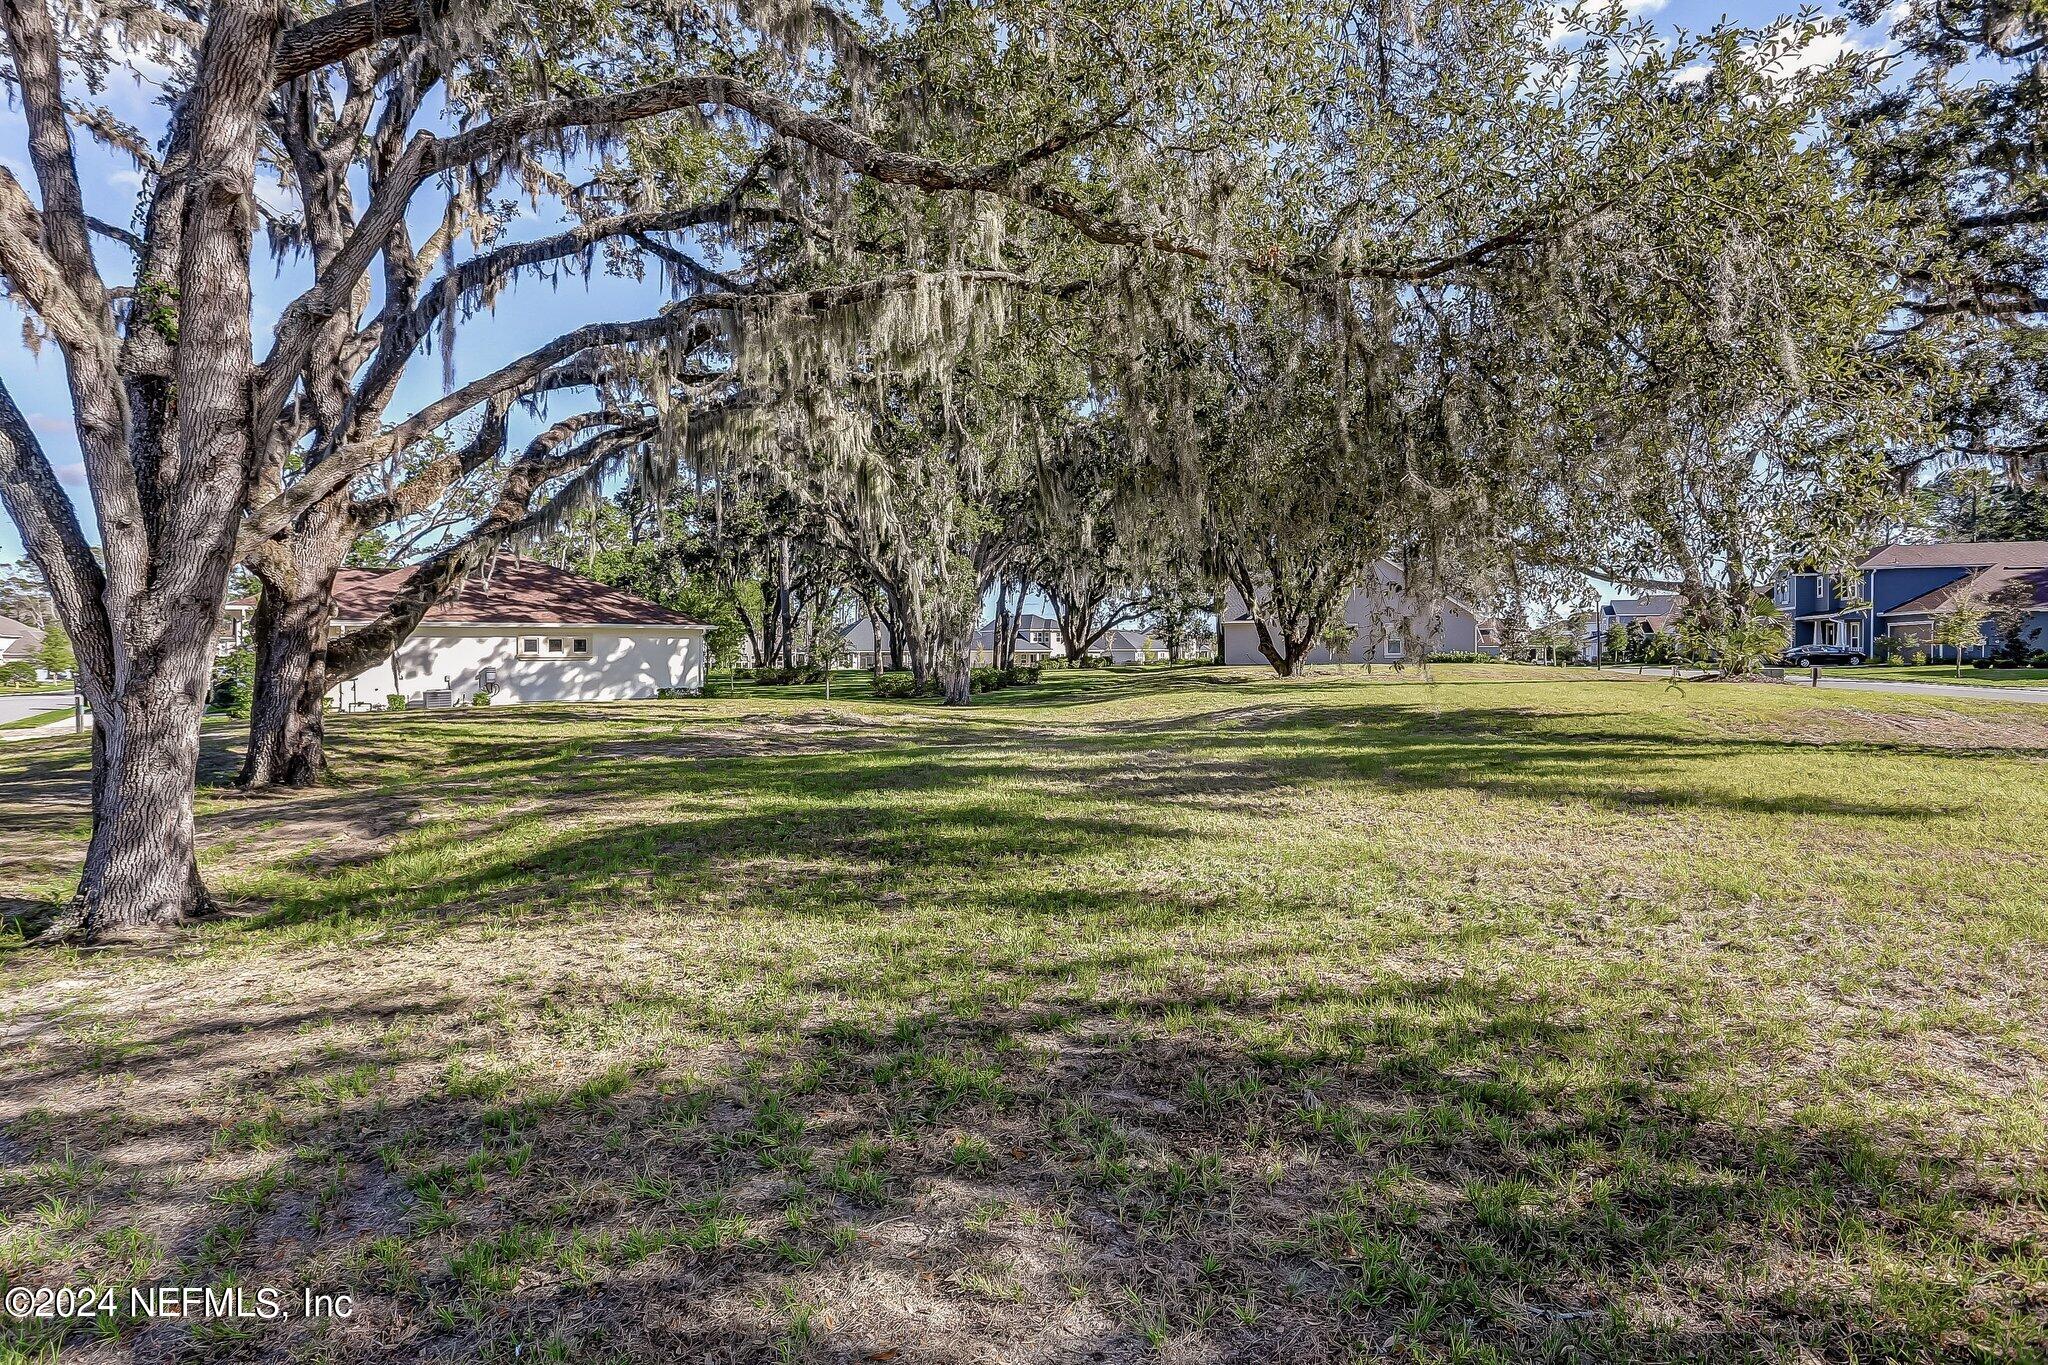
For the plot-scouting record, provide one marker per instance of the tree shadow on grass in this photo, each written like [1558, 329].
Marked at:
[806, 817]
[802, 804]
[1442, 1168]
[1089, 1153]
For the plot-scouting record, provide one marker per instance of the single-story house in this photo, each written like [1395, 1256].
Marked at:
[523, 631]
[1132, 647]
[1378, 616]
[1900, 589]
[1654, 614]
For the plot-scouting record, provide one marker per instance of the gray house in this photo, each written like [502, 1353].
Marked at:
[1901, 589]
[19, 641]
[859, 640]
[1037, 640]
[1639, 616]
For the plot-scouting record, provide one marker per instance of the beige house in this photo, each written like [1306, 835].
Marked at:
[1384, 617]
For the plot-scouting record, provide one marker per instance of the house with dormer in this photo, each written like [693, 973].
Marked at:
[1900, 591]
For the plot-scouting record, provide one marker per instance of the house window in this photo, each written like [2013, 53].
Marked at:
[554, 647]
[1396, 647]
[1855, 635]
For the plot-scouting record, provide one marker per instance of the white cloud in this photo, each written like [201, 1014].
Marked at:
[1825, 48]
[1561, 32]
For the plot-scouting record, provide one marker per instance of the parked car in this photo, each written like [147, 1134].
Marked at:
[1799, 656]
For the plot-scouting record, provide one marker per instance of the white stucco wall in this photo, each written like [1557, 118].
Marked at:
[625, 662]
[1459, 632]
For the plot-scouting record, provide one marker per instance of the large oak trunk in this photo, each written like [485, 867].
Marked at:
[286, 733]
[956, 670]
[958, 680]
[1286, 653]
[141, 869]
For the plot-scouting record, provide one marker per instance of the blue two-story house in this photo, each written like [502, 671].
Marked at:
[1899, 591]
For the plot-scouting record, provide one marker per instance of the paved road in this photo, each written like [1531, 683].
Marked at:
[1915, 689]
[13, 706]
[1962, 691]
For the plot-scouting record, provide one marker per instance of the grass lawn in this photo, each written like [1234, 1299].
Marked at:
[1946, 673]
[1186, 1016]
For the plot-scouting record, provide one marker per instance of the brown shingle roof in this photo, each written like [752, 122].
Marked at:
[1963, 554]
[1986, 583]
[516, 592]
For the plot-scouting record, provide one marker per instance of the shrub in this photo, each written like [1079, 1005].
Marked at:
[901, 685]
[781, 677]
[1896, 649]
[1461, 656]
[898, 686]
[234, 682]
[395, 700]
[482, 697]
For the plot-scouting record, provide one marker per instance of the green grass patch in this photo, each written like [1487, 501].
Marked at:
[1512, 1014]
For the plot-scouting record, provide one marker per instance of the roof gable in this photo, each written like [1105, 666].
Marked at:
[1985, 583]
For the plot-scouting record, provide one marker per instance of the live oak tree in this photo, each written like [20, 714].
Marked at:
[200, 452]
[1096, 540]
[1291, 527]
[1412, 180]
[919, 491]
[1701, 395]
[774, 205]
[1958, 141]
[1665, 274]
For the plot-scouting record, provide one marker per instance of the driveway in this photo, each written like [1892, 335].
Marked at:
[16, 705]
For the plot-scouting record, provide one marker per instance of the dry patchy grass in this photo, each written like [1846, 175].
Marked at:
[1160, 1016]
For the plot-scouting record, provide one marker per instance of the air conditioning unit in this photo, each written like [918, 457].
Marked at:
[438, 699]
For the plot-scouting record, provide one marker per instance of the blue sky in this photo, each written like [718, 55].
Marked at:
[526, 315]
